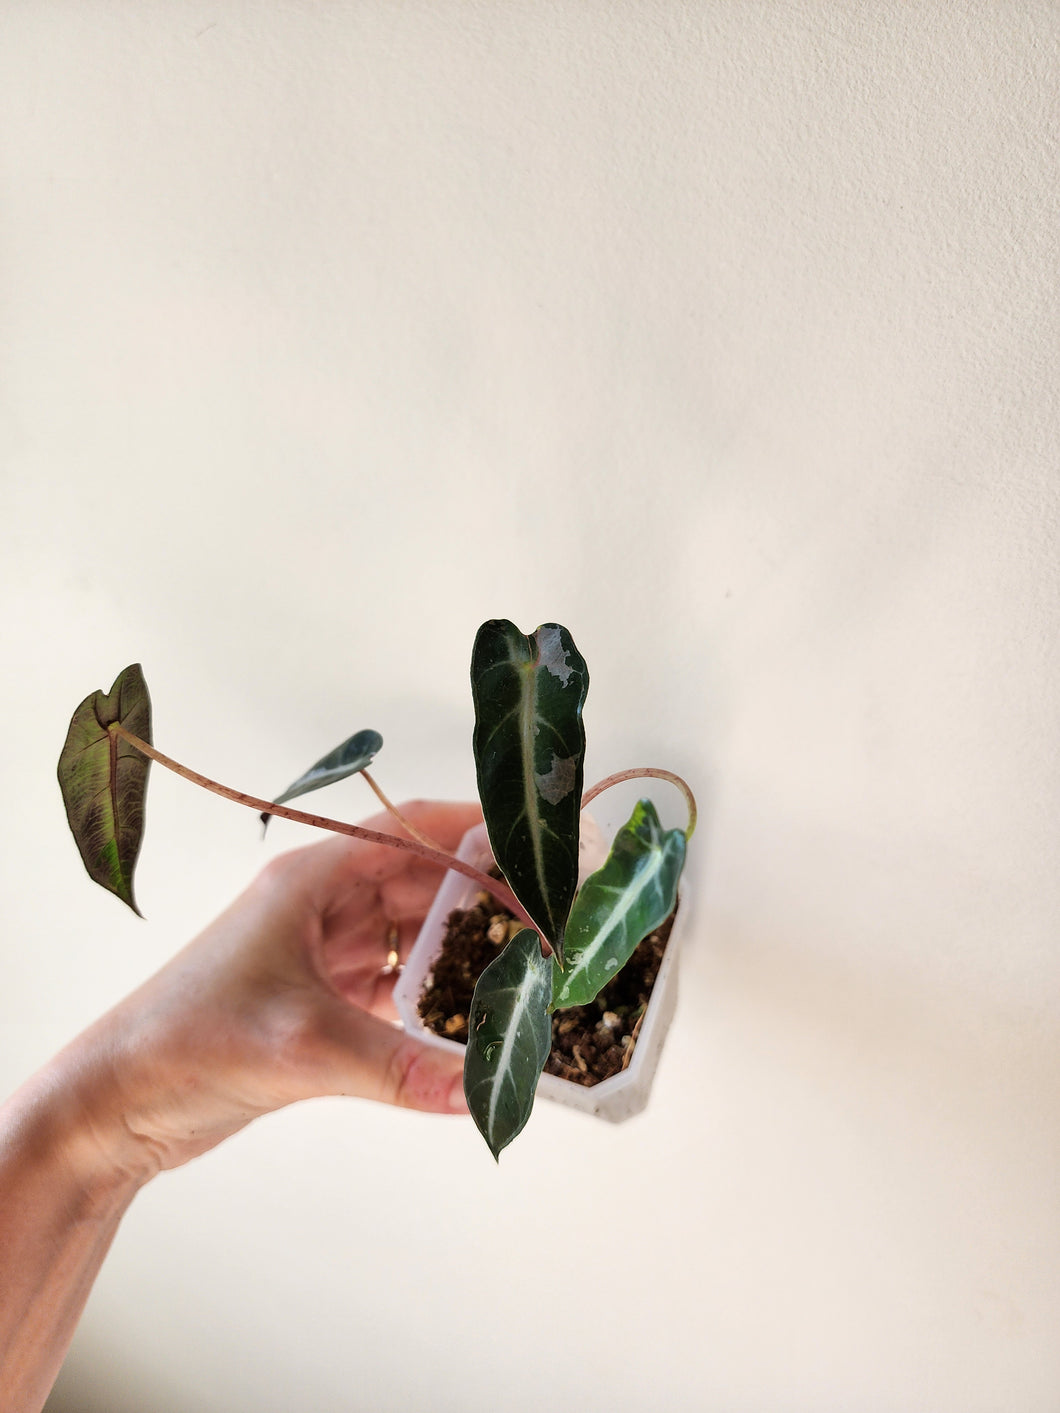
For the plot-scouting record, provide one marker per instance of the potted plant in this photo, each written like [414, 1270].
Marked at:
[573, 936]
[604, 1053]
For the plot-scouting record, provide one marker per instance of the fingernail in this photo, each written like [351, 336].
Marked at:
[457, 1102]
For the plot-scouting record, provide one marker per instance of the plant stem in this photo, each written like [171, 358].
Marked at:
[406, 824]
[658, 774]
[633, 1039]
[494, 886]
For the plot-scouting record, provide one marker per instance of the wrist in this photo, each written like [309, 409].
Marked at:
[68, 1125]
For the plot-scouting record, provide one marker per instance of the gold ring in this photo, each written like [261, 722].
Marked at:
[392, 957]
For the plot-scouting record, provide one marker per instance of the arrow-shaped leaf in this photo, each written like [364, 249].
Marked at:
[103, 779]
[353, 755]
[619, 905]
[529, 749]
[510, 1037]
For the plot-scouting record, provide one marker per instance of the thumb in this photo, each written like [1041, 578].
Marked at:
[373, 1059]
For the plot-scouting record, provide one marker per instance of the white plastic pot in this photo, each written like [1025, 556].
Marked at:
[615, 1099]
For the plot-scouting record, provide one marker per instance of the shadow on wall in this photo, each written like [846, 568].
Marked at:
[97, 1380]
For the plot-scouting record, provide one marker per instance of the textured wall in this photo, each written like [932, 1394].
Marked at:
[725, 334]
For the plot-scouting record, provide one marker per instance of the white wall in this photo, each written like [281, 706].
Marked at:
[725, 334]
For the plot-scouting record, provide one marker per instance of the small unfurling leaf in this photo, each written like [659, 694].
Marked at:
[353, 755]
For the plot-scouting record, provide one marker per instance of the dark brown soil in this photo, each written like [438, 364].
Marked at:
[589, 1043]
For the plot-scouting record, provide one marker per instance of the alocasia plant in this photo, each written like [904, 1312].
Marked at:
[529, 746]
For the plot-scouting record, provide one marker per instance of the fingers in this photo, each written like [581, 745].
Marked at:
[446, 822]
[360, 895]
[373, 1059]
[340, 866]
[371, 930]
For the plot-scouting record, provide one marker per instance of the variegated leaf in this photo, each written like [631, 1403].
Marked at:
[509, 1040]
[353, 755]
[529, 752]
[619, 905]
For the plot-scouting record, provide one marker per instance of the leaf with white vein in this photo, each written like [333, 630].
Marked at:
[529, 750]
[510, 1037]
[619, 905]
[353, 755]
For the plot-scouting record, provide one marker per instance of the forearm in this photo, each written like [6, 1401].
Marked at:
[279, 999]
[62, 1196]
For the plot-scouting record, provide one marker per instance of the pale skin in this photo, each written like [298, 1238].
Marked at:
[285, 996]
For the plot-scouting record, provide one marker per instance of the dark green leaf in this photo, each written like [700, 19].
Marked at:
[510, 1037]
[529, 750]
[104, 779]
[353, 755]
[619, 905]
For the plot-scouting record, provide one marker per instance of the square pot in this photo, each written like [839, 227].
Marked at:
[615, 1099]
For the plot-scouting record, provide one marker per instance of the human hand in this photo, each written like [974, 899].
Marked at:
[285, 996]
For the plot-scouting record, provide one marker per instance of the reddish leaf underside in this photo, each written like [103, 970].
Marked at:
[104, 779]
